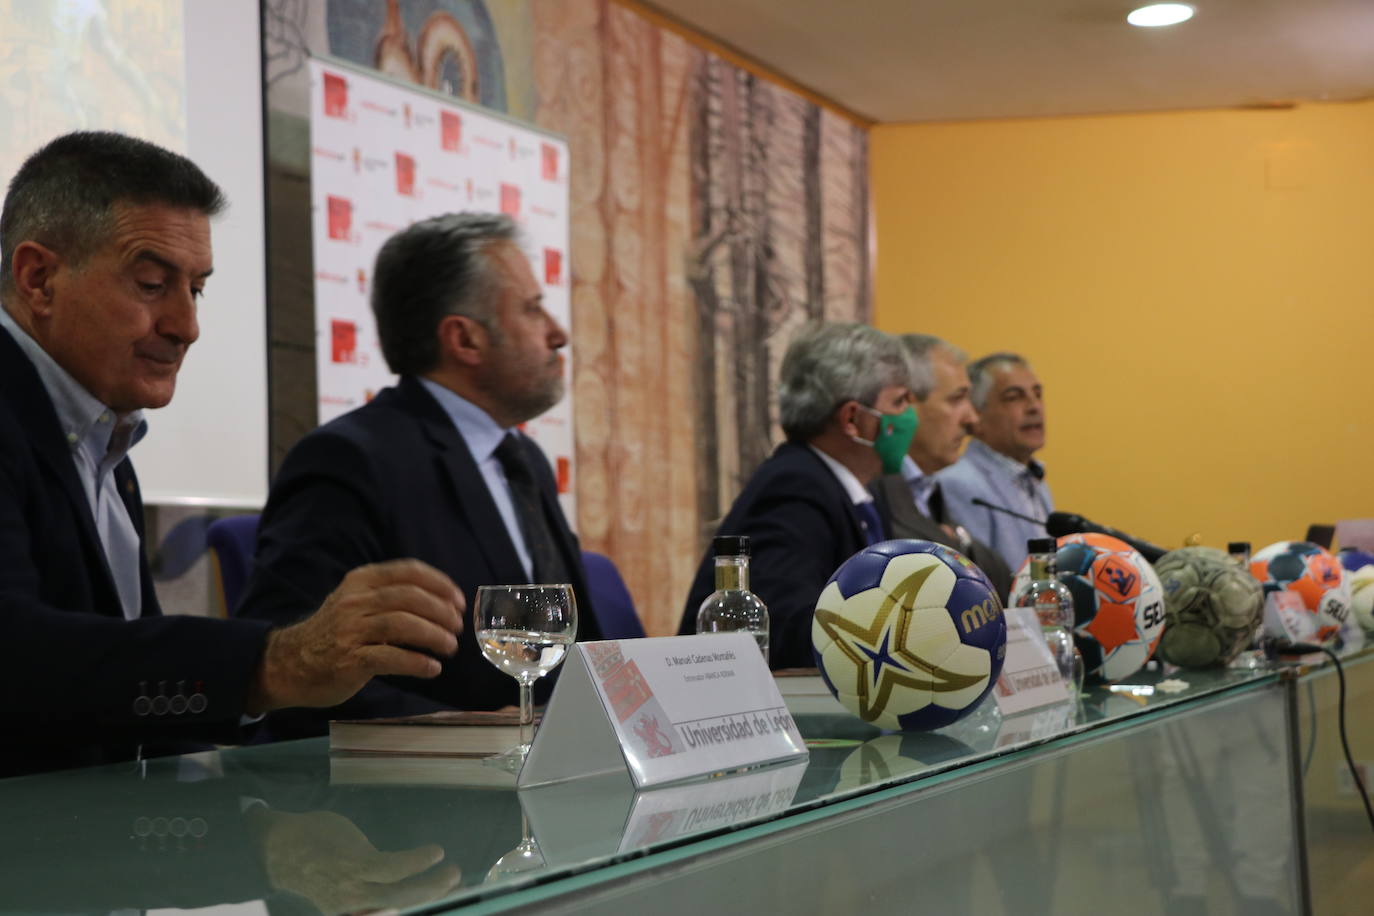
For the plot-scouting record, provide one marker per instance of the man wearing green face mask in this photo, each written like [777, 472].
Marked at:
[844, 402]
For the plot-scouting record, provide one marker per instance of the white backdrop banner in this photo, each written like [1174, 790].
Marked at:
[385, 155]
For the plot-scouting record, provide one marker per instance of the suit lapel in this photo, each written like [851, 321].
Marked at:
[126, 483]
[459, 468]
[837, 490]
[31, 403]
[907, 520]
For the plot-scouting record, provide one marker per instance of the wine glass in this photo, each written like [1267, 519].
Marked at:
[525, 630]
[523, 858]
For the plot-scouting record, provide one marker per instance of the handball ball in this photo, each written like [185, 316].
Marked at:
[909, 635]
[1118, 604]
[1312, 573]
[1353, 560]
[1359, 572]
[1212, 607]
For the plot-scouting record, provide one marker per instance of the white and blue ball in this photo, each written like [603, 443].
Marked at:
[909, 635]
[1359, 572]
[1309, 571]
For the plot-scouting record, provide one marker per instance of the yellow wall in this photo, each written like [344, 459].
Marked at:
[1196, 291]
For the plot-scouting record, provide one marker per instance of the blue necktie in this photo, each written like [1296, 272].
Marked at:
[872, 523]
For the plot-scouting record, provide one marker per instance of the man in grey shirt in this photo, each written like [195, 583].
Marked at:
[999, 467]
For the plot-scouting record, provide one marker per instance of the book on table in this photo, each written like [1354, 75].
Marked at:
[794, 682]
[463, 772]
[455, 733]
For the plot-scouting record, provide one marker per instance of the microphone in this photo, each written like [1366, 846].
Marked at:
[1062, 523]
[977, 501]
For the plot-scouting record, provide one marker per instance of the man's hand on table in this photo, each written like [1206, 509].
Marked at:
[372, 624]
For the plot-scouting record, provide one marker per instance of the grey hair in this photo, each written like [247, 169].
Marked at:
[982, 371]
[431, 269]
[921, 348]
[65, 195]
[829, 364]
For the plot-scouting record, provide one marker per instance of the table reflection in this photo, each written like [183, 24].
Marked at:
[211, 829]
[288, 825]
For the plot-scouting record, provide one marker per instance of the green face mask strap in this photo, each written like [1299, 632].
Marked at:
[895, 431]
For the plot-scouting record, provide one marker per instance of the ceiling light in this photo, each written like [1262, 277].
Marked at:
[1158, 14]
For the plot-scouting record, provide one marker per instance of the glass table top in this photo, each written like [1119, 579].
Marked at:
[342, 834]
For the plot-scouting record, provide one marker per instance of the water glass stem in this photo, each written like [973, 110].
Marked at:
[526, 714]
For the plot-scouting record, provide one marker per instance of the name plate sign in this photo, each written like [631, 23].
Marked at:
[668, 813]
[666, 709]
[1037, 724]
[1030, 678]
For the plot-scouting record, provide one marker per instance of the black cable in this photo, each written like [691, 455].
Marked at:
[1311, 717]
[1345, 743]
[1283, 647]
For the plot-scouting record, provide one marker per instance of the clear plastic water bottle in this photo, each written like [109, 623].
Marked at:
[1238, 552]
[1053, 604]
[732, 608]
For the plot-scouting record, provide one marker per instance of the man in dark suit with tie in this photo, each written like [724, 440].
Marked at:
[910, 501]
[435, 467]
[844, 404]
[106, 248]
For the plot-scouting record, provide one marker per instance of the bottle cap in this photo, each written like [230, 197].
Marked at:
[730, 545]
[1042, 545]
[1238, 547]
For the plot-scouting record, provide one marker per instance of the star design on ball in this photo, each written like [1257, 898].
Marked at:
[880, 657]
[878, 667]
[1113, 626]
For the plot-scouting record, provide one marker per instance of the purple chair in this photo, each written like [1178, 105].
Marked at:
[611, 601]
[232, 539]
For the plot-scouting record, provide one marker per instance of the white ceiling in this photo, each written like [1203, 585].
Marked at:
[930, 60]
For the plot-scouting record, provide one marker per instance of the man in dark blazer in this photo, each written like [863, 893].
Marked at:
[435, 467]
[842, 390]
[105, 244]
[910, 502]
